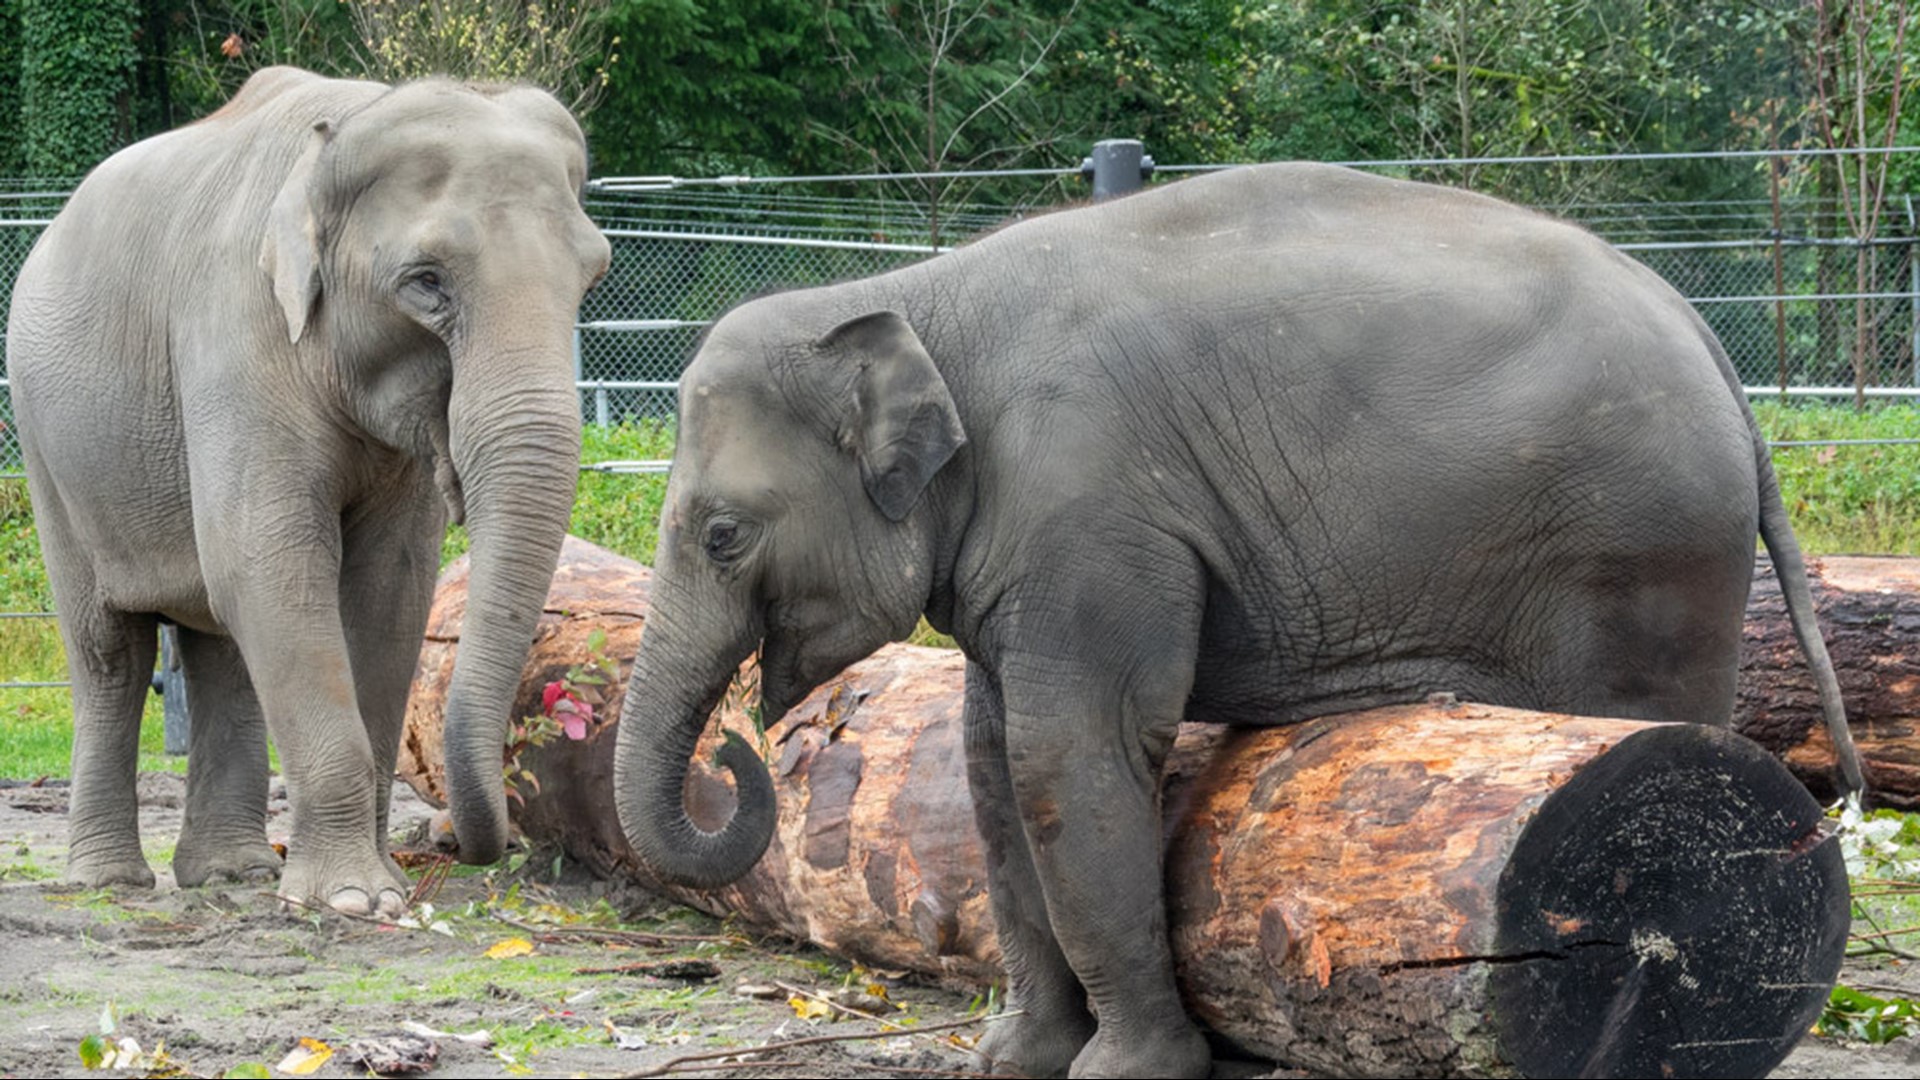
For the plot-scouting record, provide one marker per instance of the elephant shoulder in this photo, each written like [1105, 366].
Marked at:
[278, 88]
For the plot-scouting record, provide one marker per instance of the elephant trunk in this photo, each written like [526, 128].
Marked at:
[669, 701]
[516, 451]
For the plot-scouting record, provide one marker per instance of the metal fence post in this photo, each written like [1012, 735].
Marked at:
[1913, 288]
[171, 682]
[1117, 167]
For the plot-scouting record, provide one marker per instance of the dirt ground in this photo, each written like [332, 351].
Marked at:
[222, 978]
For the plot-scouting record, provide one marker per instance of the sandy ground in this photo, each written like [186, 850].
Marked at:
[223, 977]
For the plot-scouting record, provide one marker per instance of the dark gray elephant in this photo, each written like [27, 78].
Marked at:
[1251, 448]
[256, 363]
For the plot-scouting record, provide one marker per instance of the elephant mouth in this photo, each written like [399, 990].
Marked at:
[777, 698]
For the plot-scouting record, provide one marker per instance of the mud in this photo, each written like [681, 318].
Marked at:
[223, 977]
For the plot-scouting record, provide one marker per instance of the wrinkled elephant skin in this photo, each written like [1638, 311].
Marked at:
[1274, 443]
[257, 362]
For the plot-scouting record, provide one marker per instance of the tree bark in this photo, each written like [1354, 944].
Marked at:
[1439, 889]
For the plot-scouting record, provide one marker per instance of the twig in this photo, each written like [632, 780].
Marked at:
[640, 937]
[371, 920]
[1876, 948]
[1885, 934]
[849, 1066]
[1881, 988]
[680, 1064]
[432, 880]
[832, 1004]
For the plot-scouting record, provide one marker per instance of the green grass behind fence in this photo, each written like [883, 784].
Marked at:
[1843, 499]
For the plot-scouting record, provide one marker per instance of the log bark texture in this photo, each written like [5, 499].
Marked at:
[1437, 889]
[1869, 610]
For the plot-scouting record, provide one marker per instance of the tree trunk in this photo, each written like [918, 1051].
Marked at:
[1437, 889]
[1869, 611]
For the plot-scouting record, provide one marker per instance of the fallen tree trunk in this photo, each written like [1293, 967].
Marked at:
[1436, 889]
[1869, 610]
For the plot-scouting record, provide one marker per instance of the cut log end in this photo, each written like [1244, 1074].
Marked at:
[1676, 909]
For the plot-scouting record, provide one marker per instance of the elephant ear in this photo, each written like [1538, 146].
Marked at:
[290, 250]
[903, 425]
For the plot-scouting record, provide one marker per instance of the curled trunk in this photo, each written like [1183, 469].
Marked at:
[679, 677]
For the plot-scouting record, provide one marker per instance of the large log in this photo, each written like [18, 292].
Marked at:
[1869, 609]
[1438, 889]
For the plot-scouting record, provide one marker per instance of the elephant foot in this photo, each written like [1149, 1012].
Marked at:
[1029, 1046]
[1171, 1049]
[369, 892]
[95, 872]
[251, 863]
[398, 875]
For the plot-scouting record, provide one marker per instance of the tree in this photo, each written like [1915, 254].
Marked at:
[76, 64]
[195, 54]
[1499, 78]
[550, 43]
[957, 92]
[1858, 55]
[723, 86]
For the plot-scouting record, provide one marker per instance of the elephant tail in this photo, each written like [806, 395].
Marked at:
[1776, 532]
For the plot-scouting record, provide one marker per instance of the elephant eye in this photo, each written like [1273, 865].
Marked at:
[722, 542]
[424, 289]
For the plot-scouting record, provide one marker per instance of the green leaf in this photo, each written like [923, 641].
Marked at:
[250, 1070]
[93, 1051]
[1856, 1014]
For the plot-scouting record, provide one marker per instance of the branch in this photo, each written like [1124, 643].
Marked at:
[1039, 59]
[678, 1064]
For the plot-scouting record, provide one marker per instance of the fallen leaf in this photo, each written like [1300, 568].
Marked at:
[306, 1058]
[808, 1008]
[511, 947]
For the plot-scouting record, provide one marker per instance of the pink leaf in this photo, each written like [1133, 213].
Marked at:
[574, 723]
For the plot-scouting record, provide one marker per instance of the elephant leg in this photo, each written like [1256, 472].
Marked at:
[223, 836]
[389, 566]
[1094, 695]
[110, 657]
[1048, 1021]
[1088, 799]
[286, 620]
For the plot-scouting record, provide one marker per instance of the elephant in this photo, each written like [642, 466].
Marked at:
[258, 363]
[1273, 443]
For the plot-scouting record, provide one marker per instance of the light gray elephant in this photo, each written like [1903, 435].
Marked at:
[1250, 448]
[244, 359]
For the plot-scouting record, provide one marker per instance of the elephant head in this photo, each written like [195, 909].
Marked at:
[798, 520]
[428, 251]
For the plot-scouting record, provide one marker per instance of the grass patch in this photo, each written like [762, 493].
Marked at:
[19, 862]
[618, 511]
[1848, 499]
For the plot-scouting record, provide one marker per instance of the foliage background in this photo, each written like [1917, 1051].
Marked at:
[802, 87]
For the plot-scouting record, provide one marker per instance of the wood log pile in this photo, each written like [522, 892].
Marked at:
[1438, 889]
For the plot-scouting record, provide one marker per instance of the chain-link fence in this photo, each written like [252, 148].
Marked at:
[1784, 284]
[25, 208]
